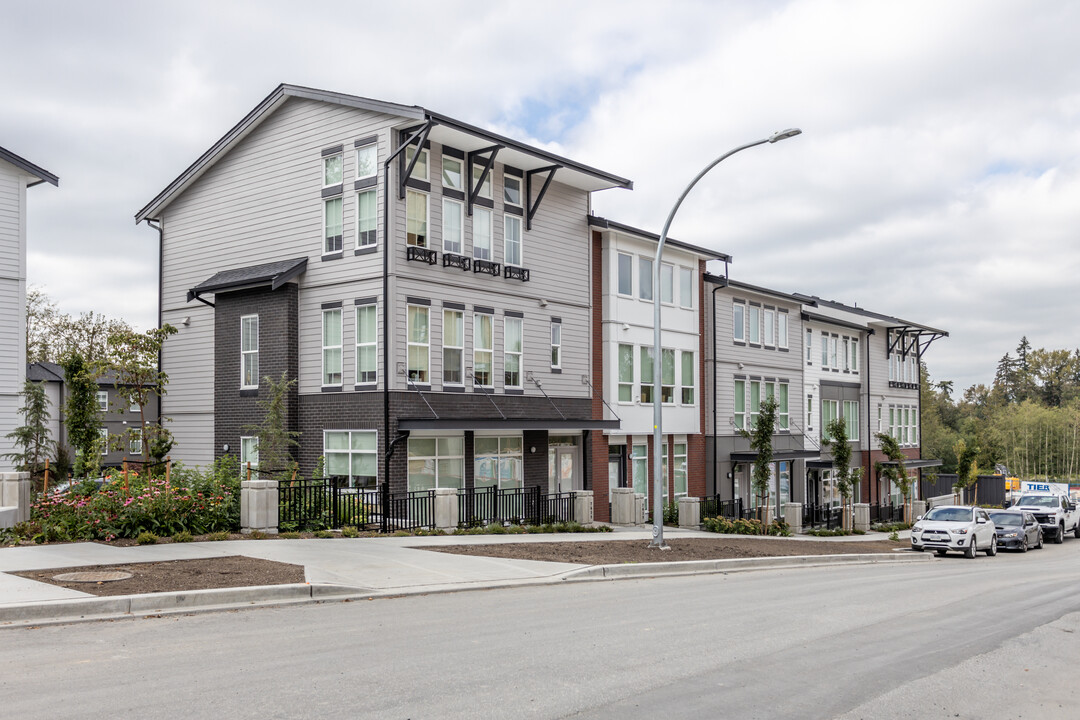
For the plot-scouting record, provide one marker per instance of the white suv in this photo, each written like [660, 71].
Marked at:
[955, 527]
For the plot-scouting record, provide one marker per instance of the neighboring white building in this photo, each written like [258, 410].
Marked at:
[16, 174]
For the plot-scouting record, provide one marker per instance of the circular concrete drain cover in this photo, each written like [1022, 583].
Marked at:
[97, 576]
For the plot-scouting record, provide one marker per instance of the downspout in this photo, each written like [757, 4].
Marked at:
[869, 408]
[715, 453]
[160, 227]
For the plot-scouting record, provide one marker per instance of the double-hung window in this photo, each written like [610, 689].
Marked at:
[851, 419]
[452, 177]
[436, 462]
[103, 400]
[678, 452]
[687, 360]
[416, 218]
[782, 413]
[626, 274]
[686, 287]
[512, 374]
[483, 348]
[556, 345]
[331, 347]
[782, 329]
[135, 445]
[332, 167]
[830, 410]
[667, 282]
[367, 214]
[667, 376]
[512, 240]
[645, 278]
[419, 343]
[855, 355]
[420, 170]
[738, 322]
[755, 324]
[512, 190]
[249, 453]
[755, 402]
[453, 223]
[740, 404]
[646, 386]
[832, 352]
[809, 412]
[249, 351]
[809, 346]
[481, 223]
[824, 350]
[846, 354]
[770, 327]
[352, 453]
[332, 225]
[367, 161]
[453, 347]
[626, 373]
[367, 363]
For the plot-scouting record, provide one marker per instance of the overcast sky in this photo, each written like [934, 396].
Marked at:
[937, 179]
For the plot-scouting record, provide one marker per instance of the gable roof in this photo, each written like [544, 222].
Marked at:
[29, 168]
[445, 130]
[274, 274]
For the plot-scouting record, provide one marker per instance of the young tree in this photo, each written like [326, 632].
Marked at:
[896, 474]
[275, 439]
[966, 467]
[83, 417]
[760, 436]
[133, 358]
[836, 440]
[33, 435]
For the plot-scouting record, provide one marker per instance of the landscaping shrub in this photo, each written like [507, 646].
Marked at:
[323, 534]
[191, 501]
[182, 537]
[292, 535]
[147, 538]
[741, 526]
[218, 536]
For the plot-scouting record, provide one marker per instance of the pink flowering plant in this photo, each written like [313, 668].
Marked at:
[191, 500]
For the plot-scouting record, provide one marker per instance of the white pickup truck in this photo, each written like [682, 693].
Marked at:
[1054, 509]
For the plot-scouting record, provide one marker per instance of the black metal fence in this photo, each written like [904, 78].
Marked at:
[829, 517]
[731, 509]
[330, 503]
[991, 489]
[518, 506]
[886, 513]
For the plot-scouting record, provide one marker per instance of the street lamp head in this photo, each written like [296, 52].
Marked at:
[784, 134]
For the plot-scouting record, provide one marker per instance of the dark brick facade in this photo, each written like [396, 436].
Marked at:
[236, 409]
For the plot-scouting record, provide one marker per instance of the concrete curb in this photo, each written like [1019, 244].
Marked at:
[701, 567]
[52, 612]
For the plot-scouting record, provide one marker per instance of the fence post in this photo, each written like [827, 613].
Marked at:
[918, 509]
[862, 516]
[582, 510]
[793, 516]
[259, 506]
[16, 496]
[690, 512]
[384, 515]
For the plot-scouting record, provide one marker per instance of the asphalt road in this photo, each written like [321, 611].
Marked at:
[990, 637]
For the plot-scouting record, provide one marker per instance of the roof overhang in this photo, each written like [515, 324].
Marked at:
[705, 253]
[41, 174]
[825, 319]
[446, 130]
[556, 424]
[751, 455]
[914, 464]
[273, 274]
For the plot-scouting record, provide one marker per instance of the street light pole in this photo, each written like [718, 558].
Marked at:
[658, 433]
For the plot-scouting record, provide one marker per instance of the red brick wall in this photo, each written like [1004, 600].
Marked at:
[695, 450]
[599, 459]
[871, 483]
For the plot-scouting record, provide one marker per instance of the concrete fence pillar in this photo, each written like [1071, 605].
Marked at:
[862, 516]
[918, 509]
[641, 509]
[259, 506]
[793, 516]
[583, 507]
[622, 506]
[690, 512]
[446, 508]
[16, 496]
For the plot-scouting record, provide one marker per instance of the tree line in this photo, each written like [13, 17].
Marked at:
[1028, 419]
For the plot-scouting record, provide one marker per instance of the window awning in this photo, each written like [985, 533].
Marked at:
[751, 455]
[914, 464]
[554, 424]
[274, 274]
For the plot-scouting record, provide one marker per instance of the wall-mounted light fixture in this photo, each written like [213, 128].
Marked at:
[225, 447]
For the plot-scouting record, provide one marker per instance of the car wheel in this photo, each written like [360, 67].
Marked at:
[940, 553]
[1039, 545]
[972, 550]
[1076, 531]
[916, 548]
[992, 550]
[1060, 537]
[1023, 545]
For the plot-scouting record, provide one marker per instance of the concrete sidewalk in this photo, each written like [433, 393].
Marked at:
[339, 568]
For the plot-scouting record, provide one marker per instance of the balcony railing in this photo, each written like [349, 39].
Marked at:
[458, 261]
[422, 254]
[486, 266]
[517, 273]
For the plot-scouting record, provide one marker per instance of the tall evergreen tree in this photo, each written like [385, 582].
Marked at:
[32, 437]
[83, 418]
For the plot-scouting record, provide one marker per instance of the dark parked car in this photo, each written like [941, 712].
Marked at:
[1017, 530]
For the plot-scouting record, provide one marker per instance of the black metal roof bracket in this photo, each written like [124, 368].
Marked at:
[192, 295]
[926, 344]
[534, 205]
[540, 387]
[421, 394]
[585, 381]
[420, 137]
[489, 162]
[487, 394]
[897, 338]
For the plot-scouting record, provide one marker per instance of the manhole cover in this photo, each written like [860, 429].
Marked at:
[93, 576]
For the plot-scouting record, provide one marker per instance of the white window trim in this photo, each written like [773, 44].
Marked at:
[427, 218]
[619, 383]
[460, 348]
[851, 427]
[521, 190]
[753, 337]
[809, 346]
[683, 272]
[409, 344]
[135, 445]
[556, 347]
[737, 414]
[618, 276]
[374, 343]
[253, 460]
[489, 182]
[669, 268]
[509, 220]
[642, 261]
[339, 238]
[479, 212]
[359, 151]
[325, 160]
[245, 353]
[738, 327]
[341, 361]
[426, 163]
[375, 231]
[693, 377]
[459, 210]
[477, 349]
[461, 173]
[782, 329]
[507, 353]
[102, 398]
[349, 451]
[768, 326]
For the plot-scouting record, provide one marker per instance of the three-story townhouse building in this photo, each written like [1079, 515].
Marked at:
[16, 175]
[623, 303]
[424, 282]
